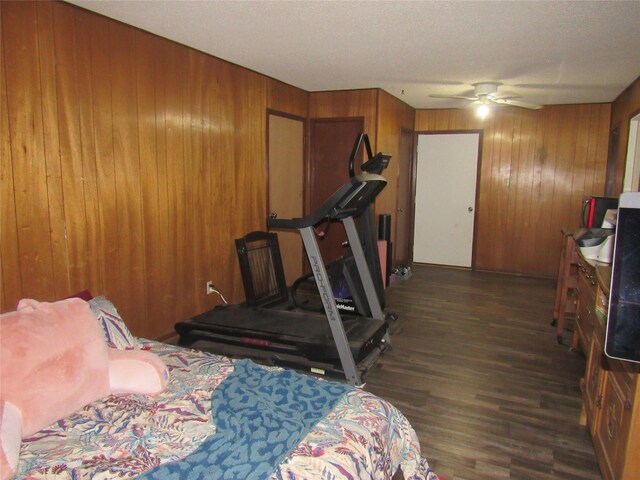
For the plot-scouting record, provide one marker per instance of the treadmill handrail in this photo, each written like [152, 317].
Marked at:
[338, 205]
[356, 149]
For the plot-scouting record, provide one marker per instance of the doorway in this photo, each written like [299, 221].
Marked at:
[446, 178]
[331, 141]
[285, 185]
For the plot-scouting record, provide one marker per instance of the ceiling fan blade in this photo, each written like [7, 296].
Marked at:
[503, 97]
[457, 97]
[516, 103]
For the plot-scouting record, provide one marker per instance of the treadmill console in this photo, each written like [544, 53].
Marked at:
[358, 198]
[350, 200]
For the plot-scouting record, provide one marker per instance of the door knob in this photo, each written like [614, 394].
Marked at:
[470, 209]
[273, 215]
[401, 210]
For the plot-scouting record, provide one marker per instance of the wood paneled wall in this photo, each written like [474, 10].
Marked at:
[129, 164]
[536, 168]
[285, 98]
[623, 109]
[344, 104]
[393, 116]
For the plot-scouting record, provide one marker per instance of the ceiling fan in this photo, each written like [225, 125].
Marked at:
[485, 93]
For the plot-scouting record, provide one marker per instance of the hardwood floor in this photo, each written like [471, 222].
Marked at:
[477, 370]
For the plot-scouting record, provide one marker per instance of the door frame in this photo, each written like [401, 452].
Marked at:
[305, 158]
[632, 159]
[410, 195]
[476, 207]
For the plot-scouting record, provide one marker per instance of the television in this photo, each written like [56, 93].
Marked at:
[623, 321]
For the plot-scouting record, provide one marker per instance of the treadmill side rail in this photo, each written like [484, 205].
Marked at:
[363, 268]
[333, 315]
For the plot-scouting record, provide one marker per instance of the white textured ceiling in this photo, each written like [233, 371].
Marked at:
[547, 52]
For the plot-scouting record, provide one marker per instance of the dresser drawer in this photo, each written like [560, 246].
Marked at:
[623, 378]
[608, 440]
[585, 321]
[586, 318]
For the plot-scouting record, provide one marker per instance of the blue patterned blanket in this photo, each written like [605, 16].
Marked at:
[260, 416]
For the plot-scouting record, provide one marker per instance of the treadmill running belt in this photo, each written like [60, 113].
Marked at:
[308, 334]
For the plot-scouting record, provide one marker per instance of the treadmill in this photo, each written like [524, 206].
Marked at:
[332, 342]
[344, 268]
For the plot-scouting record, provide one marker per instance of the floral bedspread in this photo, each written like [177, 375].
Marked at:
[123, 436]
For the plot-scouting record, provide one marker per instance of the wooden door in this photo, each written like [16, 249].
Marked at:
[446, 178]
[286, 178]
[331, 143]
[404, 214]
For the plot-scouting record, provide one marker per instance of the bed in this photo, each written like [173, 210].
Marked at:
[173, 434]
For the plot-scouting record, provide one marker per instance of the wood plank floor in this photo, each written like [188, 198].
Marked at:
[477, 370]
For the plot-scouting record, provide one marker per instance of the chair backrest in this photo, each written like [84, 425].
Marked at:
[261, 268]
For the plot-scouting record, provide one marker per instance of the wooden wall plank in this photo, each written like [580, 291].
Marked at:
[102, 118]
[537, 212]
[550, 124]
[224, 168]
[149, 181]
[95, 254]
[526, 182]
[560, 178]
[175, 64]
[192, 115]
[501, 191]
[212, 233]
[536, 168]
[592, 149]
[60, 245]
[10, 274]
[162, 251]
[127, 172]
[517, 172]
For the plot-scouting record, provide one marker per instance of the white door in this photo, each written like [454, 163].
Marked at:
[446, 172]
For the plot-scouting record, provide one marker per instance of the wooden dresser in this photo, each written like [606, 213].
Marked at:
[610, 388]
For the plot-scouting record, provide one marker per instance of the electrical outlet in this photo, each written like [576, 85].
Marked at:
[211, 288]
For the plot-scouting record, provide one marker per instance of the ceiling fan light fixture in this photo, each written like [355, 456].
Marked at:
[483, 111]
[485, 93]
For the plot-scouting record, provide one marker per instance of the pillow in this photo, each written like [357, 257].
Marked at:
[114, 330]
[53, 361]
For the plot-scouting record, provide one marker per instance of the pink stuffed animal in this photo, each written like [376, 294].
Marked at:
[54, 361]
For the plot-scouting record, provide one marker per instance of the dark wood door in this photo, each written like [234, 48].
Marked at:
[331, 143]
[404, 214]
